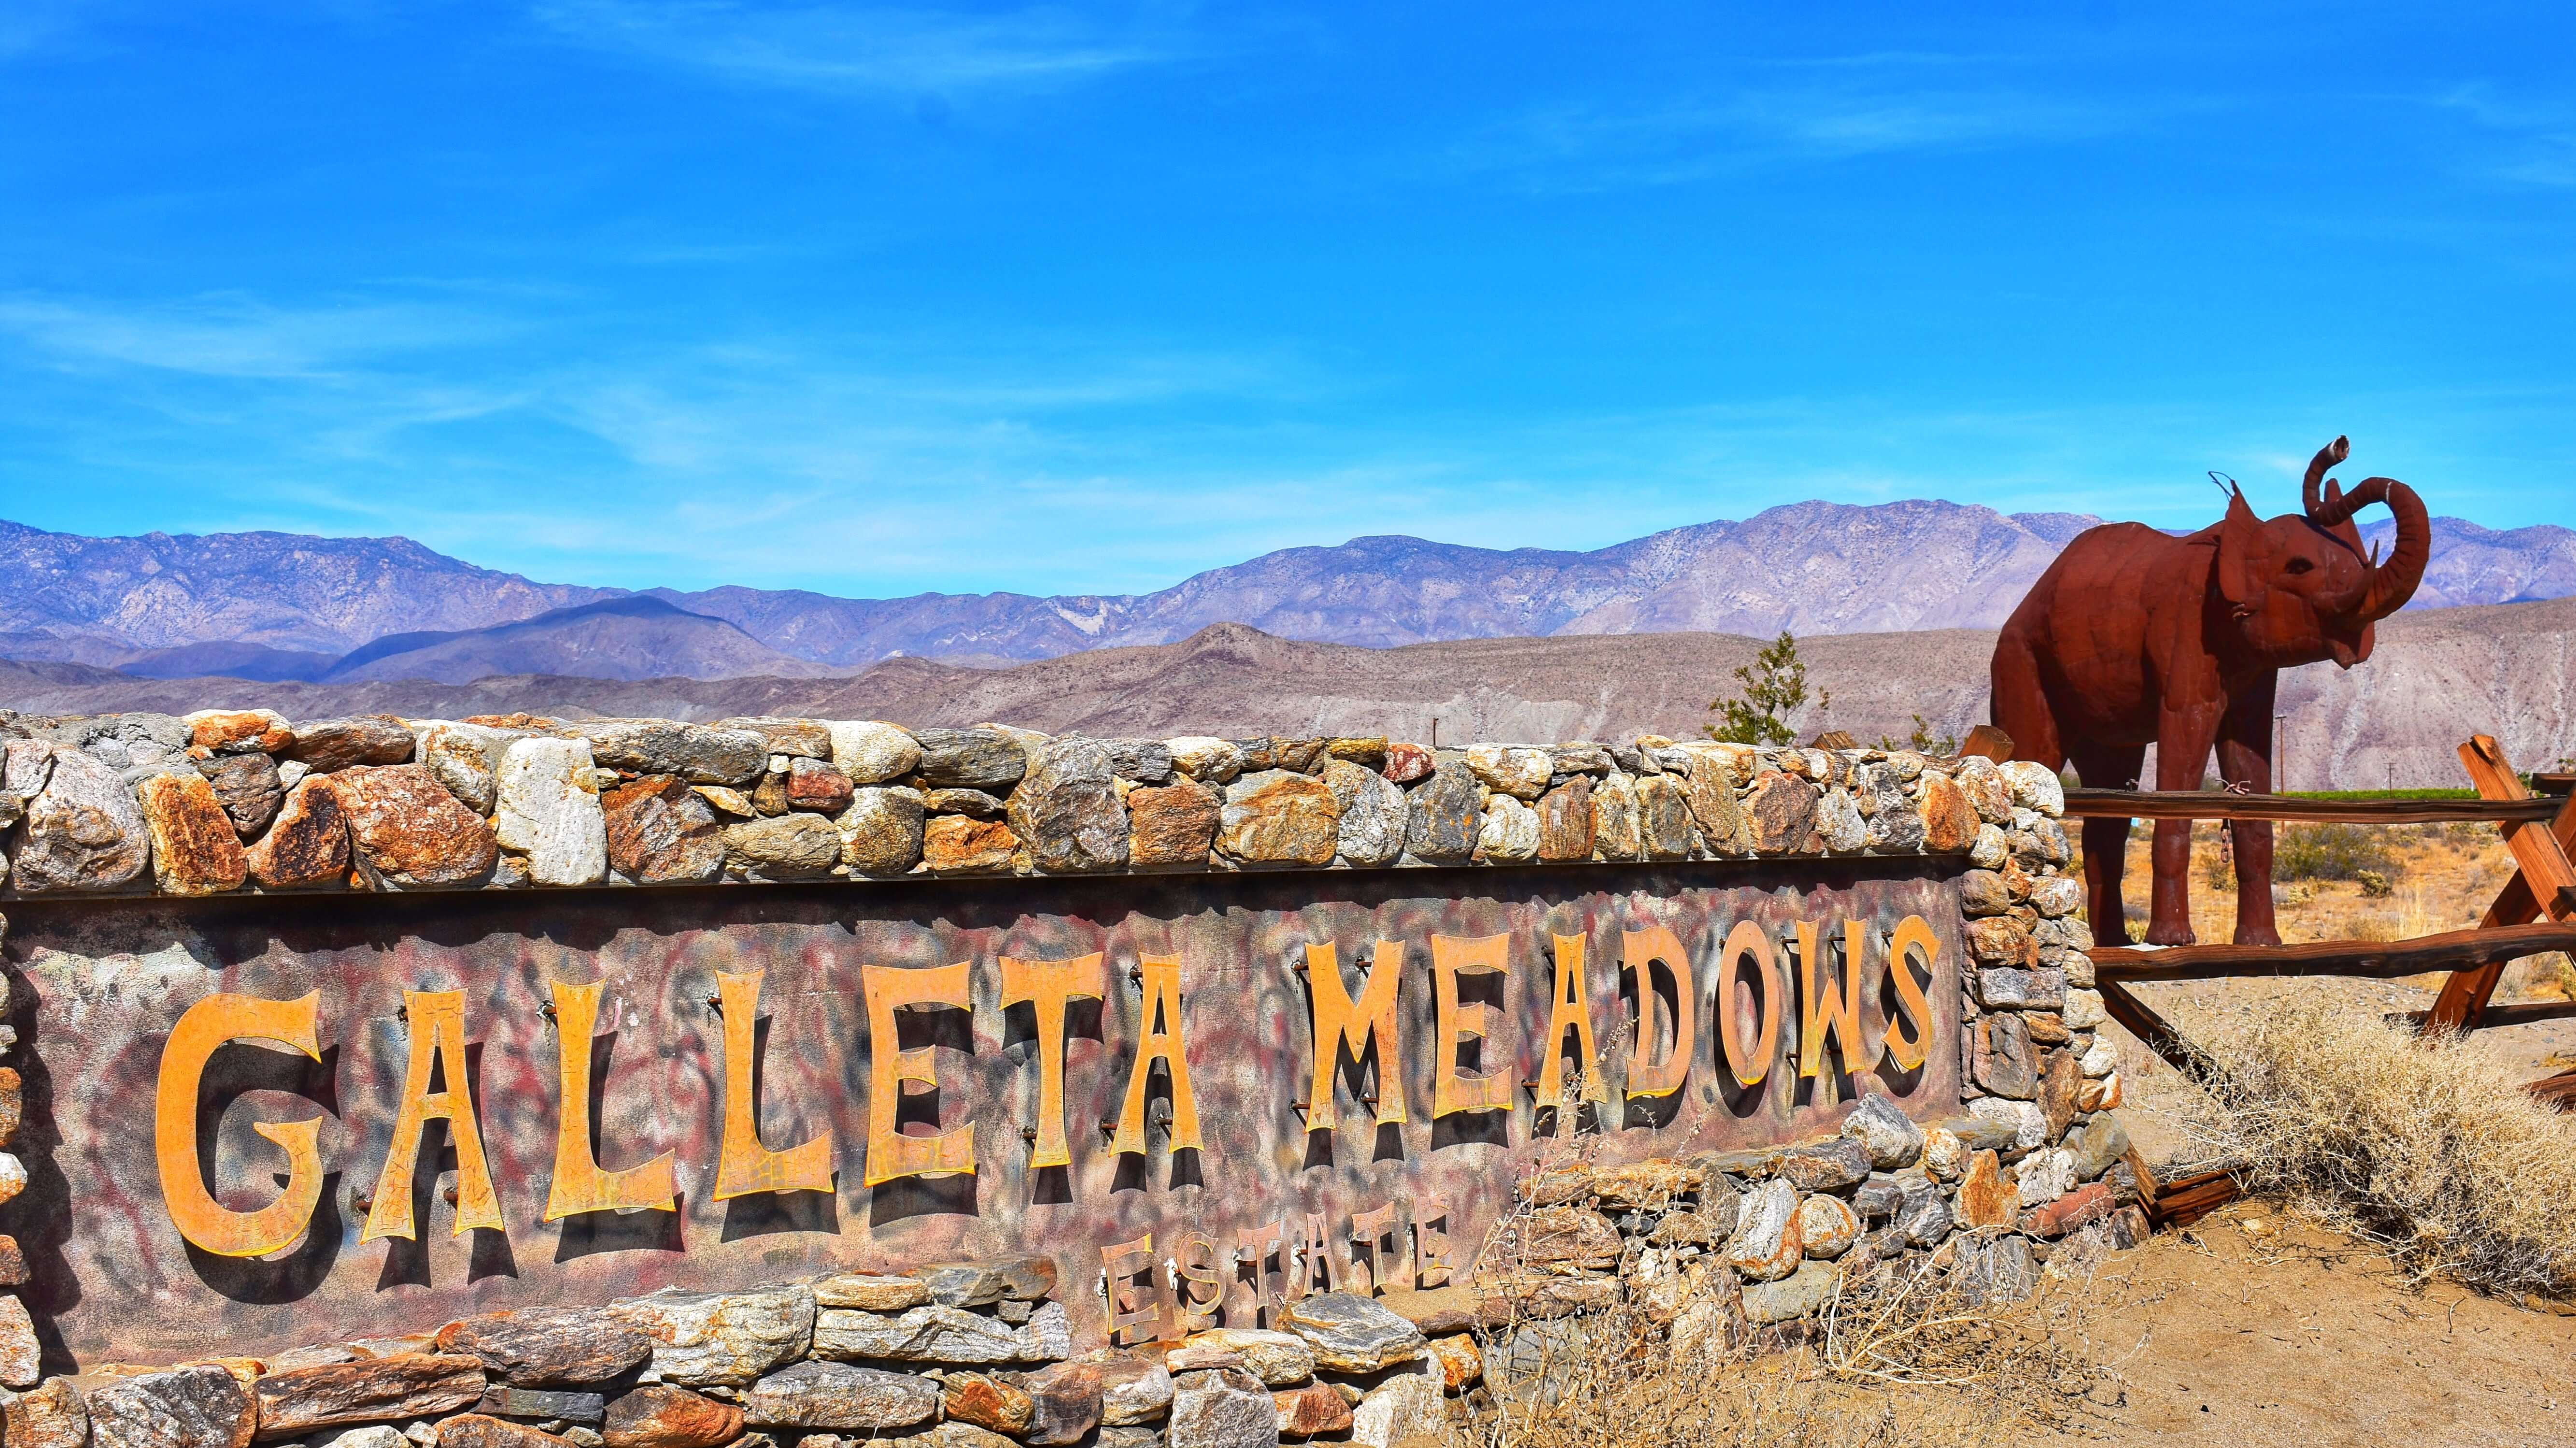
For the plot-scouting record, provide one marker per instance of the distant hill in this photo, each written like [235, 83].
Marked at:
[275, 606]
[2436, 678]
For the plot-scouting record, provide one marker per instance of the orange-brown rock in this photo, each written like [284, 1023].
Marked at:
[1461, 1364]
[1986, 1197]
[2061, 1084]
[1949, 819]
[1782, 806]
[13, 1269]
[986, 1402]
[659, 1415]
[1562, 1237]
[1438, 1311]
[1565, 821]
[373, 1390]
[2075, 1209]
[48, 1416]
[1311, 1411]
[247, 728]
[661, 832]
[1065, 1402]
[307, 845]
[409, 829]
[13, 1104]
[1171, 826]
[194, 849]
[474, 1430]
[956, 845]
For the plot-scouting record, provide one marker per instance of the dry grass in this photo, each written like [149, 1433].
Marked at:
[2427, 1147]
[1902, 1353]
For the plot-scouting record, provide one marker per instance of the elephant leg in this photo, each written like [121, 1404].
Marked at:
[2245, 761]
[2019, 706]
[2182, 754]
[2106, 841]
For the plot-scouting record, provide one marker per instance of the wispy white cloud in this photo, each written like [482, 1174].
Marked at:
[234, 335]
[859, 50]
[2538, 139]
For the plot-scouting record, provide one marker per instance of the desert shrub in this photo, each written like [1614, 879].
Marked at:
[2330, 852]
[2424, 1146]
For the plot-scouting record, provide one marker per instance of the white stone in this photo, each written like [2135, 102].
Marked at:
[2083, 1009]
[1279, 1359]
[1510, 831]
[543, 812]
[466, 758]
[1374, 813]
[1221, 1408]
[2029, 1123]
[1766, 1246]
[2057, 896]
[1511, 769]
[872, 753]
[1047, 1336]
[1406, 1406]
[2101, 1060]
[1989, 852]
[722, 1338]
[1891, 1140]
[1839, 821]
[374, 1435]
[13, 1176]
[1944, 1155]
[2044, 1176]
[2035, 787]
[1207, 759]
[1826, 1227]
[1140, 1399]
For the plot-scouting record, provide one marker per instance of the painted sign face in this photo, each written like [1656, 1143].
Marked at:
[286, 1120]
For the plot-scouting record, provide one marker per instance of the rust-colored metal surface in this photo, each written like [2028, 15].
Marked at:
[114, 1280]
[2134, 637]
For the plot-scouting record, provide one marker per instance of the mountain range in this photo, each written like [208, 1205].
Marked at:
[287, 607]
[2437, 677]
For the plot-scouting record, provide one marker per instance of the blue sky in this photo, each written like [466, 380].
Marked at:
[876, 300]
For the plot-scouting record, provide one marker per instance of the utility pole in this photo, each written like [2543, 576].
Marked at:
[2280, 754]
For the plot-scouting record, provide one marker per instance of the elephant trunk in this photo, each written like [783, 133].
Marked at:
[2330, 455]
[2392, 582]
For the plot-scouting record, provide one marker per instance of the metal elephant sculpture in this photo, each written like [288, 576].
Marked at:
[2135, 637]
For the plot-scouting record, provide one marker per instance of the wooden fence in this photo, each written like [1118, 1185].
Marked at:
[2533, 914]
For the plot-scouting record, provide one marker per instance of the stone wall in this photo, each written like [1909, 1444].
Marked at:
[983, 1353]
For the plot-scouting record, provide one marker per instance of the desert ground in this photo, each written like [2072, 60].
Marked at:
[2258, 1327]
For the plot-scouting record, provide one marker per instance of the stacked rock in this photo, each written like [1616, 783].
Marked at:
[222, 801]
[952, 1355]
[20, 1355]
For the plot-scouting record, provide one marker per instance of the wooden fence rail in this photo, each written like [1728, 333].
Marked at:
[2534, 914]
[2373, 959]
[2212, 804]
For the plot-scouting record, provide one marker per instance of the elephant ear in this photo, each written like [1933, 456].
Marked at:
[2240, 544]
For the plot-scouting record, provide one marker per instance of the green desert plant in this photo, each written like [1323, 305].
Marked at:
[1775, 689]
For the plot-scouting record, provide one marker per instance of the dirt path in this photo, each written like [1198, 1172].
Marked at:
[2298, 1336]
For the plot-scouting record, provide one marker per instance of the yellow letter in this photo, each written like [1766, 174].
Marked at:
[1159, 1038]
[1911, 934]
[745, 1166]
[1639, 950]
[1049, 985]
[1451, 956]
[579, 1184]
[193, 1210]
[1824, 1011]
[436, 1020]
[1572, 1008]
[1339, 1023]
[891, 1153]
[1750, 1064]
